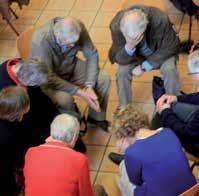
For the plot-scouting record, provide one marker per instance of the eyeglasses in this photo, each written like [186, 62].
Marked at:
[193, 73]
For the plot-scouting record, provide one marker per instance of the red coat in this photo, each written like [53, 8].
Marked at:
[53, 169]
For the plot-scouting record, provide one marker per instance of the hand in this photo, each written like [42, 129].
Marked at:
[137, 71]
[167, 99]
[122, 145]
[90, 98]
[132, 43]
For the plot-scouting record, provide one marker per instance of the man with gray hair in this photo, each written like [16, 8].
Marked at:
[57, 44]
[54, 168]
[143, 40]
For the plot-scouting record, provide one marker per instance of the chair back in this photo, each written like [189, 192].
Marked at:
[23, 43]
[193, 191]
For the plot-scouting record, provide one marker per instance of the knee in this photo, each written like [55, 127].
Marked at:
[63, 99]
[123, 72]
[104, 80]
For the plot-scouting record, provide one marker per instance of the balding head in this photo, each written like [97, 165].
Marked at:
[133, 23]
[67, 31]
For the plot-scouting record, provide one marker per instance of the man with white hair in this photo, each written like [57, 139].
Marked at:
[57, 44]
[143, 39]
[54, 168]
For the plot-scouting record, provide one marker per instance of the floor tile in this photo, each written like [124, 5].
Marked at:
[110, 183]
[87, 5]
[27, 17]
[96, 137]
[113, 140]
[8, 34]
[111, 69]
[95, 155]
[87, 17]
[3, 59]
[184, 35]
[93, 176]
[108, 5]
[100, 35]
[60, 4]
[7, 48]
[103, 51]
[47, 15]
[188, 88]
[107, 165]
[112, 105]
[103, 19]
[36, 4]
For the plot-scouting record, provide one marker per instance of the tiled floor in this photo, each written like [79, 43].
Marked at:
[96, 14]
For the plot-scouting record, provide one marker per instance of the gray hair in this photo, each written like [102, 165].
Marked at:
[64, 127]
[32, 72]
[69, 28]
[134, 23]
[193, 62]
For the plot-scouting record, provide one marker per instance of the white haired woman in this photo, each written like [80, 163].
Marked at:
[54, 168]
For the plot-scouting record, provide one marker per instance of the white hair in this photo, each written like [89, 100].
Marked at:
[133, 23]
[64, 127]
[193, 62]
[69, 28]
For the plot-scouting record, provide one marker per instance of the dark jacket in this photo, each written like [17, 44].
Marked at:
[61, 65]
[160, 37]
[190, 129]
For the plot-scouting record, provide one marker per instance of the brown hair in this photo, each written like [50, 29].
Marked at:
[13, 100]
[127, 120]
[32, 72]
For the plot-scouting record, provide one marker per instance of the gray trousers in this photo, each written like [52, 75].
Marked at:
[124, 80]
[65, 102]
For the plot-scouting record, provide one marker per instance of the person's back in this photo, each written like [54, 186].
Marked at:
[54, 169]
[164, 170]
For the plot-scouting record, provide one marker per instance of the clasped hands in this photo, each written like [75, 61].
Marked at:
[164, 102]
[89, 95]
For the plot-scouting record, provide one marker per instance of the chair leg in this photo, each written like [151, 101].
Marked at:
[15, 15]
[193, 165]
[12, 27]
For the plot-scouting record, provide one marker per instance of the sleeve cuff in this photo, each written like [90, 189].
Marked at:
[147, 66]
[129, 51]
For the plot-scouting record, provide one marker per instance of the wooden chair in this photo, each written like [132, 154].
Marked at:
[23, 47]
[193, 191]
[192, 158]
[23, 43]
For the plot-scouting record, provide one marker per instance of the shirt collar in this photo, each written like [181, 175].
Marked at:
[10, 72]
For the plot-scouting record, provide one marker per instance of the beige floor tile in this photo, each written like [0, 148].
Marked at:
[112, 105]
[3, 59]
[46, 16]
[109, 181]
[103, 51]
[107, 165]
[9, 34]
[147, 76]
[96, 136]
[109, 5]
[7, 48]
[87, 5]
[86, 17]
[100, 35]
[36, 4]
[93, 176]
[60, 4]
[113, 140]
[184, 35]
[188, 88]
[103, 19]
[142, 92]
[27, 17]
[95, 155]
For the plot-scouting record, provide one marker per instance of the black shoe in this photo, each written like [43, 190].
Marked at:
[104, 124]
[116, 158]
[80, 146]
[157, 88]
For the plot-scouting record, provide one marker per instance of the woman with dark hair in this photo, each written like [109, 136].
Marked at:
[14, 104]
[154, 161]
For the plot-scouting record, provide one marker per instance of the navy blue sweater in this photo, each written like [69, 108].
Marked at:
[157, 166]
